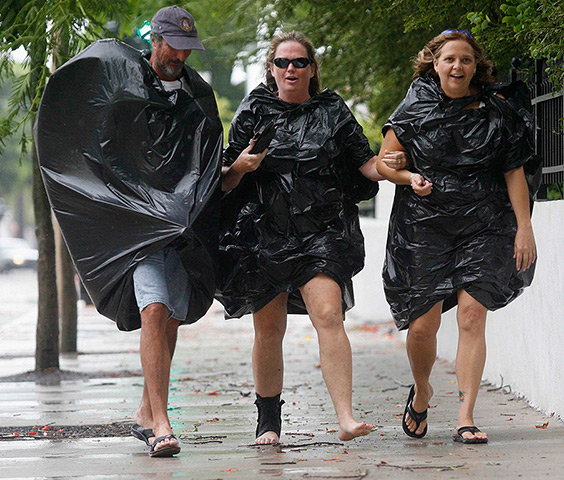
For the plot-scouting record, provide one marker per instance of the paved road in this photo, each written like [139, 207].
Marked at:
[212, 410]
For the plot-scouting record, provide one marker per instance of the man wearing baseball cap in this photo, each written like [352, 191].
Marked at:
[173, 37]
[162, 304]
[152, 131]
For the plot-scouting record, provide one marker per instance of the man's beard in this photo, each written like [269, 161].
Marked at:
[171, 71]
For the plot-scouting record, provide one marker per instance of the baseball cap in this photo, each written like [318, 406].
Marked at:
[177, 27]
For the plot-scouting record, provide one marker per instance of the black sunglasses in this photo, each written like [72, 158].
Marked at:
[282, 62]
[456, 30]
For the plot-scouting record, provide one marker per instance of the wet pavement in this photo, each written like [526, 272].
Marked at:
[211, 406]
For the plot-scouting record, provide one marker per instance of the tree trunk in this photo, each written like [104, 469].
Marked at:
[47, 334]
[66, 290]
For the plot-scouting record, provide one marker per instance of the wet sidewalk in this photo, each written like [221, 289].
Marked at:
[211, 406]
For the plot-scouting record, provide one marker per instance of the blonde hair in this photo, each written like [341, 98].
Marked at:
[315, 81]
[423, 62]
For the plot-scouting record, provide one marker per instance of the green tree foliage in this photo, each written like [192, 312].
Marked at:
[366, 46]
[534, 27]
[363, 48]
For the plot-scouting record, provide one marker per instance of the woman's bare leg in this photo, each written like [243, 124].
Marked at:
[422, 351]
[268, 361]
[470, 358]
[322, 297]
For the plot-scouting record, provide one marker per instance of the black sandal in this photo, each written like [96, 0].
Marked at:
[165, 451]
[417, 417]
[457, 437]
[142, 433]
[269, 415]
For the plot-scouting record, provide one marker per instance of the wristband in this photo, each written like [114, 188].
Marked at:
[411, 177]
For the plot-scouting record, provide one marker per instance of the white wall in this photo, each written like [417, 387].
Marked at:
[525, 339]
[369, 294]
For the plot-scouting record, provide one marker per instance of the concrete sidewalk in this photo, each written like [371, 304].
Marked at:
[211, 403]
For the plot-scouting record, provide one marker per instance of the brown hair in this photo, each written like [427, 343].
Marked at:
[315, 81]
[423, 63]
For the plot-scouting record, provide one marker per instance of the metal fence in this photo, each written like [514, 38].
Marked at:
[549, 132]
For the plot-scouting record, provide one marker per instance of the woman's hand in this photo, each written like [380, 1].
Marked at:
[396, 159]
[525, 252]
[524, 248]
[246, 162]
[419, 185]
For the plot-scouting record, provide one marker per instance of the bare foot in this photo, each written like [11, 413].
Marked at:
[267, 438]
[420, 403]
[354, 429]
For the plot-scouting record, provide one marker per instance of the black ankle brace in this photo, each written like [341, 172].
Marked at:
[269, 414]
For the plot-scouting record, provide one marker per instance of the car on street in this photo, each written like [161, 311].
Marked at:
[16, 253]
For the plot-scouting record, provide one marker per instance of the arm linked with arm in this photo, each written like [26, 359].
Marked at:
[396, 160]
[403, 176]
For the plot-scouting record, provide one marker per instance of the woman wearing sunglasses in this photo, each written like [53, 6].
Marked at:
[292, 240]
[460, 230]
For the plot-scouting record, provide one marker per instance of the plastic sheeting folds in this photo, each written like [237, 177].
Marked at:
[295, 216]
[130, 168]
[461, 235]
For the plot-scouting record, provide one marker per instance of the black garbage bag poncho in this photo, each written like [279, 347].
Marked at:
[462, 234]
[130, 168]
[295, 216]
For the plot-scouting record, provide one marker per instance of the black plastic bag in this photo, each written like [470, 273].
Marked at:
[130, 168]
[462, 234]
[293, 217]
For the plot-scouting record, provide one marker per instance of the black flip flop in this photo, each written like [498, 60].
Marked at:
[166, 451]
[142, 433]
[457, 437]
[418, 417]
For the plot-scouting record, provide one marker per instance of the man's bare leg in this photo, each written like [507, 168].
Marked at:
[144, 414]
[156, 357]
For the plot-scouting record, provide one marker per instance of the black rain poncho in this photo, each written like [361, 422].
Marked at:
[130, 168]
[462, 234]
[294, 217]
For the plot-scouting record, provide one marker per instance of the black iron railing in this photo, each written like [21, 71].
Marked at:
[548, 105]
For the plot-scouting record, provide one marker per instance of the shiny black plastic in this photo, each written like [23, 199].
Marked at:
[130, 168]
[462, 234]
[294, 217]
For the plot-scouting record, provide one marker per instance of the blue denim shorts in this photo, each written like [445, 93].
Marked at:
[161, 278]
